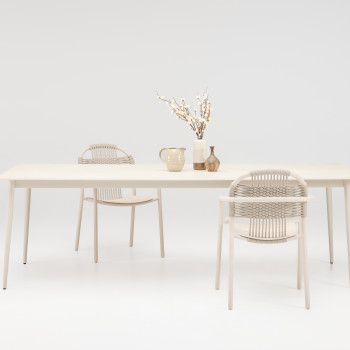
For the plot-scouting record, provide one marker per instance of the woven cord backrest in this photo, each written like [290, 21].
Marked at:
[106, 154]
[268, 220]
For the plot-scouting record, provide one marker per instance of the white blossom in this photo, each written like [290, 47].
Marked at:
[197, 123]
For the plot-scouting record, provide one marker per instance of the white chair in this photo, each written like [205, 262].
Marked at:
[111, 154]
[267, 206]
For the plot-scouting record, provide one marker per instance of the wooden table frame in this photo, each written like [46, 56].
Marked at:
[156, 176]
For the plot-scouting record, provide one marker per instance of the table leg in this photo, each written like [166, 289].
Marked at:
[160, 219]
[305, 264]
[132, 226]
[26, 224]
[330, 222]
[347, 215]
[219, 246]
[9, 216]
[95, 227]
[80, 215]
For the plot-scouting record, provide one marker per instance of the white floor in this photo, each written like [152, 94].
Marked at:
[133, 299]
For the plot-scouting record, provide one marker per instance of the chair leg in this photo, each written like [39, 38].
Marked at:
[230, 268]
[219, 247]
[160, 216]
[26, 224]
[299, 263]
[132, 224]
[305, 266]
[95, 227]
[330, 222]
[77, 236]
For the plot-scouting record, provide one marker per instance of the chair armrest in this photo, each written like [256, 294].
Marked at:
[266, 199]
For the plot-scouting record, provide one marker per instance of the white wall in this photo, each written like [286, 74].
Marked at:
[79, 72]
[74, 73]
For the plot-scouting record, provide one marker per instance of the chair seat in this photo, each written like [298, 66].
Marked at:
[241, 230]
[127, 201]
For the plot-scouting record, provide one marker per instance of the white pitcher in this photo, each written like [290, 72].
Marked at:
[174, 158]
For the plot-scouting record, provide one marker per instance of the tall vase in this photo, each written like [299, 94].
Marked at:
[199, 154]
[212, 163]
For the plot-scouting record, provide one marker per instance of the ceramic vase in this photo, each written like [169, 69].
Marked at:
[212, 163]
[199, 154]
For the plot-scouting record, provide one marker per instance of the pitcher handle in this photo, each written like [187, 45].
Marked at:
[160, 154]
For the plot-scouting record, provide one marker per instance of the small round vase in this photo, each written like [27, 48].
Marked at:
[199, 154]
[212, 163]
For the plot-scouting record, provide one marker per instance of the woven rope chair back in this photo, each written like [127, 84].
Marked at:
[268, 220]
[106, 154]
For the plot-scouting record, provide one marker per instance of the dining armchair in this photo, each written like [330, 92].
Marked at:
[111, 154]
[266, 206]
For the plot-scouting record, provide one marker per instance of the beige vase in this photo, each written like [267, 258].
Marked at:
[174, 158]
[212, 163]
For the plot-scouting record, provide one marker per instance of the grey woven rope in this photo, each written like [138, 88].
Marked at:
[107, 154]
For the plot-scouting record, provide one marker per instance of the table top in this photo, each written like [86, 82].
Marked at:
[157, 175]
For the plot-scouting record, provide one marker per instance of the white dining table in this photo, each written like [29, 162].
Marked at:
[30, 176]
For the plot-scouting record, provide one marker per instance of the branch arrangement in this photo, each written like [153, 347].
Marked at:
[197, 121]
